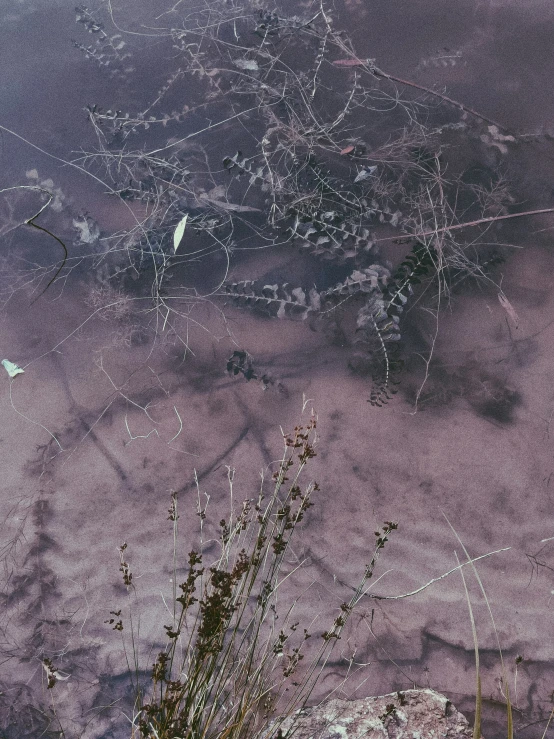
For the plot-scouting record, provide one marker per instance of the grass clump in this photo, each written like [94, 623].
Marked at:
[234, 663]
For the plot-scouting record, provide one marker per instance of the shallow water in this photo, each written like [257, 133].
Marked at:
[107, 420]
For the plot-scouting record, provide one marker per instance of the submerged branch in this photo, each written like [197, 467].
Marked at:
[368, 64]
[468, 224]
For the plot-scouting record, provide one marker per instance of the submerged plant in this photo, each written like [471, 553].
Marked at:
[337, 162]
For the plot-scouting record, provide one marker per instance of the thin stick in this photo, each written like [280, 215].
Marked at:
[469, 224]
[379, 73]
[436, 579]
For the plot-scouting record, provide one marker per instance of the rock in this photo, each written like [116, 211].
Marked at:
[407, 714]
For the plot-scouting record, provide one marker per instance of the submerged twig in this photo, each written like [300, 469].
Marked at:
[376, 72]
[468, 224]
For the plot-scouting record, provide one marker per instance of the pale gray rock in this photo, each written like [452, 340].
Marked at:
[407, 714]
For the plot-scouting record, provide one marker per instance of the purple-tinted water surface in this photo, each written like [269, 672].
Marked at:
[106, 420]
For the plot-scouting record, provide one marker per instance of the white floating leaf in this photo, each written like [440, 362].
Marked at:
[249, 64]
[179, 231]
[89, 231]
[497, 136]
[364, 174]
[11, 368]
